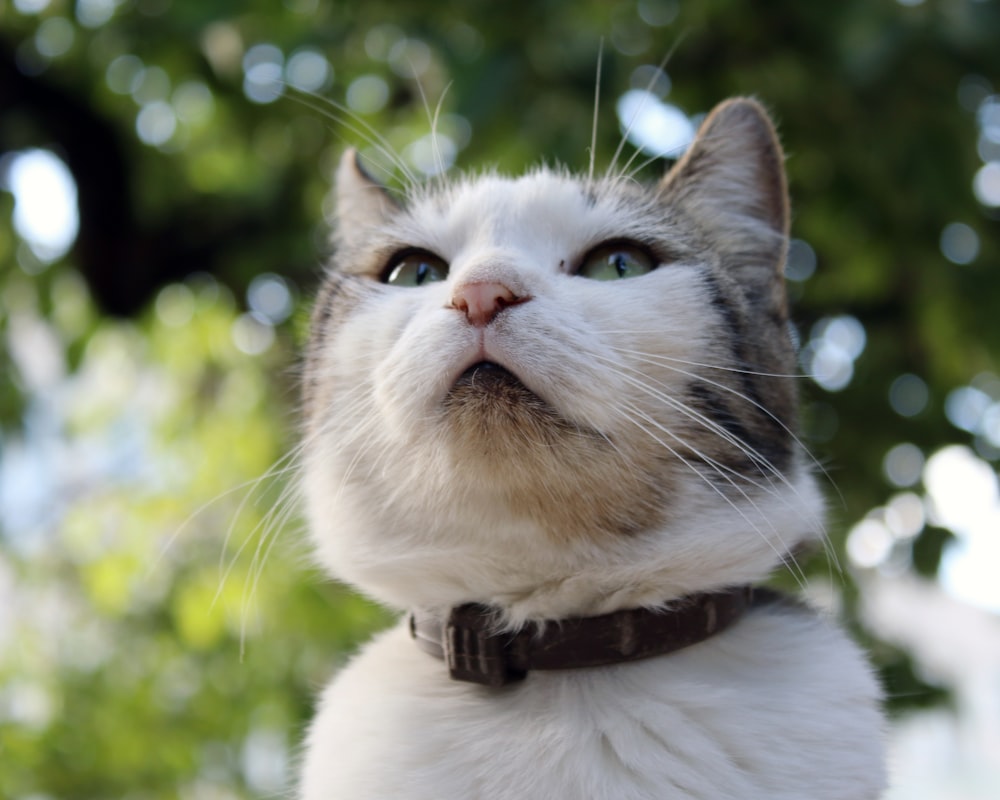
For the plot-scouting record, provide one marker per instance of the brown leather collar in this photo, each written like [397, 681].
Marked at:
[474, 652]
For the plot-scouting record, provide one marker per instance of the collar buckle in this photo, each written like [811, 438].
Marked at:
[473, 652]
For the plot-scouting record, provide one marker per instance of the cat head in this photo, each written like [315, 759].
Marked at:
[559, 395]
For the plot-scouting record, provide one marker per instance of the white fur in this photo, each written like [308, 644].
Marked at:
[781, 705]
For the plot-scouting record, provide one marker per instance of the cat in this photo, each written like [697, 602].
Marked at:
[563, 397]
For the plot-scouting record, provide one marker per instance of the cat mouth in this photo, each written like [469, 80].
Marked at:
[487, 375]
[488, 402]
[489, 383]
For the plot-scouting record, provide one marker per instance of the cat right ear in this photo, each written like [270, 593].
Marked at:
[732, 183]
[361, 201]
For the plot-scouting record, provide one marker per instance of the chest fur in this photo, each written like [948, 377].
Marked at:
[781, 706]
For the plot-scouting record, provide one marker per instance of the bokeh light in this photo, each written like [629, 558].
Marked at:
[155, 123]
[54, 37]
[658, 13]
[432, 154]
[45, 212]
[904, 515]
[266, 761]
[988, 117]
[655, 127]
[962, 489]
[869, 543]
[986, 184]
[908, 395]
[367, 94]
[270, 297]
[834, 345]
[903, 465]
[94, 13]
[801, 261]
[252, 334]
[308, 70]
[959, 243]
[193, 102]
[966, 406]
[31, 6]
[263, 66]
[150, 85]
[409, 58]
[175, 305]
[123, 73]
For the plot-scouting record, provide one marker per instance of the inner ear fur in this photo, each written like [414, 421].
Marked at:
[731, 183]
[361, 201]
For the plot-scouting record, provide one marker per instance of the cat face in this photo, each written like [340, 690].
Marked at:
[518, 385]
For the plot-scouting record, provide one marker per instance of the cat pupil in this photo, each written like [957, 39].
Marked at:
[620, 263]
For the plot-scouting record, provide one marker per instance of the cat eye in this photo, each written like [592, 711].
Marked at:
[612, 262]
[416, 268]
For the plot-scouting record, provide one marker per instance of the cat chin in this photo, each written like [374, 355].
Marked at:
[407, 554]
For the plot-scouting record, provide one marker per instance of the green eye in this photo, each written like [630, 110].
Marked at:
[416, 269]
[611, 262]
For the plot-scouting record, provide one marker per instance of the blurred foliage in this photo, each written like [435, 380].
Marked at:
[160, 632]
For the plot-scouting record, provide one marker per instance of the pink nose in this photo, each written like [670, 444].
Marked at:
[481, 302]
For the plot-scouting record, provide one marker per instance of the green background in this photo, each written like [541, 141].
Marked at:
[162, 632]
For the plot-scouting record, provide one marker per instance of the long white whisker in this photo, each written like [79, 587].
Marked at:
[764, 466]
[267, 523]
[686, 362]
[757, 458]
[649, 87]
[651, 359]
[597, 106]
[785, 557]
[432, 120]
[348, 119]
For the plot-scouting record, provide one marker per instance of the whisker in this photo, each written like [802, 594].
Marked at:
[628, 128]
[432, 120]
[764, 465]
[766, 469]
[277, 514]
[358, 126]
[597, 106]
[652, 359]
[786, 557]
[719, 367]
[271, 473]
[816, 520]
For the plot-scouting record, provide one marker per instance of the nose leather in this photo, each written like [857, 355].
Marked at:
[483, 300]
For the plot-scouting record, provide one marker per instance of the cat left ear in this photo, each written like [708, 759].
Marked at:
[732, 182]
[362, 202]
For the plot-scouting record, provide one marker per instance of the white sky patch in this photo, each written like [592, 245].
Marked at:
[964, 496]
[45, 210]
[655, 127]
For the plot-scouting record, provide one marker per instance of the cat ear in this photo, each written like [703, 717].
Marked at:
[732, 182]
[361, 201]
